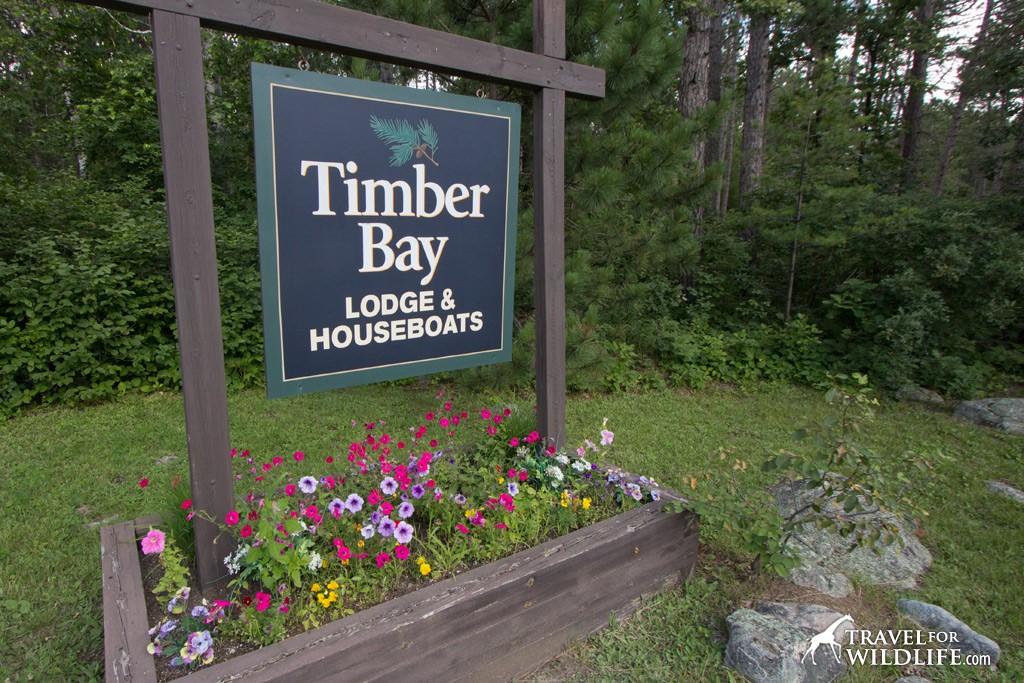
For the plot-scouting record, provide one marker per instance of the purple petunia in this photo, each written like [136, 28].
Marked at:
[367, 532]
[335, 507]
[406, 510]
[376, 517]
[386, 527]
[460, 499]
[513, 488]
[388, 485]
[307, 484]
[418, 491]
[354, 503]
[403, 532]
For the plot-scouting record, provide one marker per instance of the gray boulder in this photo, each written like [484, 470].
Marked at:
[916, 394]
[911, 679]
[1005, 490]
[1006, 414]
[827, 560]
[935, 618]
[787, 643]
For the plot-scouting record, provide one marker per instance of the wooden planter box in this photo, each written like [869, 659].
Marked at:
[488, 624]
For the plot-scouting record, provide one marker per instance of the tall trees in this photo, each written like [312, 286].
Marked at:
[913, 110]
[755, 106]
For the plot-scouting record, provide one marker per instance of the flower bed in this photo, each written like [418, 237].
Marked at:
[318, 542]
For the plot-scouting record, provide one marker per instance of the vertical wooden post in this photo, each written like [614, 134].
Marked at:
[178, 56]
[549, 225]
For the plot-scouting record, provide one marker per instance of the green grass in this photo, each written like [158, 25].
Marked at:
[65, 470]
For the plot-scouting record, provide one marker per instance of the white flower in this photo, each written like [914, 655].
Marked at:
[554, 472]
[314, 561]
[581, 466]
[562, 459]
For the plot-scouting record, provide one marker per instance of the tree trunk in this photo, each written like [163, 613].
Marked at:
[913, 110]
[966, 76]
[693, 78]
[716, 46]
[755, 107]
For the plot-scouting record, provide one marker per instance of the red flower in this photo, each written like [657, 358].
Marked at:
[186, 504]
[330, 459]
[143, 483]
[247, 600]
[277, 460]
[507, 412]
[246, 531]
[429, 416]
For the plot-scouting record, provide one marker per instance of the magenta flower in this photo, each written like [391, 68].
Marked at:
[153, 543]
[231, 518]
[262, 601]
[401, 552]
[513, 442]
[289, 490]
[382, 559]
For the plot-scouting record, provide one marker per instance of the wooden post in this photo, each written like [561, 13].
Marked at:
[549, 225]
[178, 56]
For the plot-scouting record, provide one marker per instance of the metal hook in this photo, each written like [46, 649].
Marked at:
[303, 64]
[480, 92]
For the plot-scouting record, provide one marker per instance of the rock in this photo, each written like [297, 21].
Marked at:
[916, 394]
[826, 556]
[1006, 414]
[911, 679]
[167, 459]
[786, 643]
[935, 618]
[822, 580]
[1005, 490]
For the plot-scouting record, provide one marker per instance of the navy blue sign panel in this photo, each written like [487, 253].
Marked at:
[387, 229]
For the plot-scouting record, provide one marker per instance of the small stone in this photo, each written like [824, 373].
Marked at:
[912, 679]
[167, 459]
[935, 618]
[1005, 490]
[916, 394]
[1006, 414]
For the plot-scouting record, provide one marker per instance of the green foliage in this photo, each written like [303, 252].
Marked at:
[174, 579]
[696, 354]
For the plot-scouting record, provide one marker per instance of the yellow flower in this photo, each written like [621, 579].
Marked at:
[565, 502]
[323, 563]
[586, 503]
[320, 596]
[470, 513]
[345, 562]
[315, 588]
[424, 569]
[420, 560]
[360, 544]
[501, 480]
[332, 585]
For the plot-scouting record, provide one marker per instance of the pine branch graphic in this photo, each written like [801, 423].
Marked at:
[404, 140]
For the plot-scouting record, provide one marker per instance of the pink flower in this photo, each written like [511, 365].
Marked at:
[344, 552]
[606, 437]
[513, 442]
[386, 508]
[153, 542]
[262, 601]
[231, 518]
[497, 419]
[382, 559]
[499, 525]
[492, 430]
[430, 416]
[299, 456]
[462, 528]
[534, 436]
[402, 552]
[444, 422]
[143, 483]
[277, 460]
[551, 449]
[246, 531]
[289, 490]
[186, 504]
[485, 414]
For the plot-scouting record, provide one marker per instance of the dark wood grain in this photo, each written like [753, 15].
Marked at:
[178, 58]
[125, 624]
[549, 227]
[339, 29]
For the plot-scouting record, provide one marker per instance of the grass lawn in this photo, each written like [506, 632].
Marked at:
[68, 471]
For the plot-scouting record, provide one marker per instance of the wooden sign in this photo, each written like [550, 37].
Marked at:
[387, 220]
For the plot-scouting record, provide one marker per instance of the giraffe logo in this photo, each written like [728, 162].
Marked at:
[826, 637]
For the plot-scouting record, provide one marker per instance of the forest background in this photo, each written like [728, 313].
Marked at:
[770, 190]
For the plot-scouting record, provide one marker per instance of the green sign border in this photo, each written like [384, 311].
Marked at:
[264, 77]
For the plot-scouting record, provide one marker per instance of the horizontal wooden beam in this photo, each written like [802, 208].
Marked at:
[338, 29]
